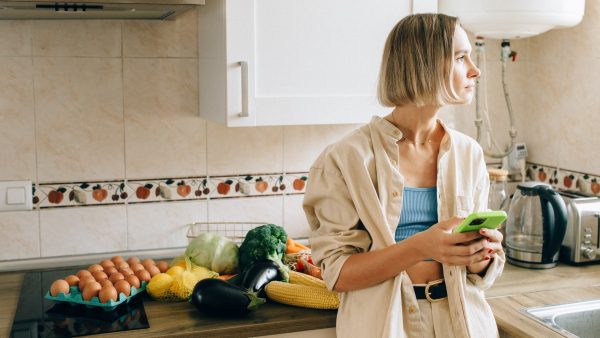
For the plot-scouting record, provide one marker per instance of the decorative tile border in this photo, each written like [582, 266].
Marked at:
[564, 179]
[68, 194]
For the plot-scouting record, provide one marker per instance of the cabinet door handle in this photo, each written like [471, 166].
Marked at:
[244, 66]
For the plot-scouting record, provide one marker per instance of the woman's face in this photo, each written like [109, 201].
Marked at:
[465, 72]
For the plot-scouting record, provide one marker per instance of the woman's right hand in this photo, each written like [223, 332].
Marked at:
[440, 244]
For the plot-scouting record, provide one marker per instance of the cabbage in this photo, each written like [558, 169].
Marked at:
[214, 252]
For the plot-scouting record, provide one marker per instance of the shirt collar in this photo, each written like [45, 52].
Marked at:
[389, 129]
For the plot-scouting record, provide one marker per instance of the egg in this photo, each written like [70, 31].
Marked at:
[148, 261]
[133, 260]
[58, 286]
[133, 281]
[122, 265]
[162, 266]
[105, 282]
[117, 259]
[99, 275]
[95, 267]
[153, 269]
[143, 275]
[84, 280]
[127, 272]
[82, 273]
[72, 280]
[108, 293]
[116, 277]
[123, 287]
[137, 266]
[91, 290]
[110, 270]
[106, 263]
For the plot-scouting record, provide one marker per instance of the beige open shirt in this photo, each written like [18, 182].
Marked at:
[358, 178]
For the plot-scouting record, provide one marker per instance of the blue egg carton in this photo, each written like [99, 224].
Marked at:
[74, 297]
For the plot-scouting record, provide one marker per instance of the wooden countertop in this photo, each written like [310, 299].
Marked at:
[517, 288]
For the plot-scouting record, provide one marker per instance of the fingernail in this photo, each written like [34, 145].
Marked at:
[483, 231]
[490, 251]
[487, 258]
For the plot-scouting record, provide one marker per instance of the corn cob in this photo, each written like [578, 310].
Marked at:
[304, 279]
[302, 295]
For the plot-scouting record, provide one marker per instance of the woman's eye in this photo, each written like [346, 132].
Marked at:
[460, 58]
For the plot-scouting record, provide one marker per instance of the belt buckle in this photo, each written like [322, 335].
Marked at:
[428, 294]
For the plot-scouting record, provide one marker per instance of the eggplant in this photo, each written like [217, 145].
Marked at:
[260, 274]
[217, 297]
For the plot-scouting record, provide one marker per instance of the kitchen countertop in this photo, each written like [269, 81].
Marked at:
[516, 288]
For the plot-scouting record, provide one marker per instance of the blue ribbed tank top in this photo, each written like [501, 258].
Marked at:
[419, 211]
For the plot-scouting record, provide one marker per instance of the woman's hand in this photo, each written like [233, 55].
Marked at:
[465, 249]
[494, 245]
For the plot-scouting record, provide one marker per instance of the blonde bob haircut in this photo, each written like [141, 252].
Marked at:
[416, 66]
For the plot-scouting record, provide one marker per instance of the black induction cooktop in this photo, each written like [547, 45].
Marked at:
[37, 317]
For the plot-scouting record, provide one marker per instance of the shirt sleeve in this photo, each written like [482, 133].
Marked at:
[480, 199]
[334, 222]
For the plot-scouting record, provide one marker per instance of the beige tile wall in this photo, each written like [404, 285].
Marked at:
[107, 100]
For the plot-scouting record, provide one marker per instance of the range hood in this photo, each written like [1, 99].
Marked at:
[99, 9]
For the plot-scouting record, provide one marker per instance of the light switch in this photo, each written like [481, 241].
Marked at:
[15, 195]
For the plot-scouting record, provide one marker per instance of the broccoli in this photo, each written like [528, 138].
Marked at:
[264, 242]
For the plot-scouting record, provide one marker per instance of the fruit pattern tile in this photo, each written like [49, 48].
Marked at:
[166, 189]
[564, 179]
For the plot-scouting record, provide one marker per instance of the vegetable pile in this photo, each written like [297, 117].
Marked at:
[220, 279]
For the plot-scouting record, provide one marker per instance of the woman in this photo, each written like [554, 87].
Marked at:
[383, 201]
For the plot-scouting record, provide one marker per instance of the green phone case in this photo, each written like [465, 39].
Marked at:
[484, 219]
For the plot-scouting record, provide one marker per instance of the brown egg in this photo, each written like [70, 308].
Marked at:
[82, 273]
[58, 286]
[84, 280]
[105, 282]
[72, 280]
[137, 266]
[162, 266]
[122, 265]
[127, 272]
[95, 267]
[148, 261]
[91, 290]
[107, 293]
[143, 275]
[154, 270]
[106, 263]
[133, 260]
[99, 275]
[116, 277]
[133, 281]
[123, 287]
[110, 270]
[117, 259]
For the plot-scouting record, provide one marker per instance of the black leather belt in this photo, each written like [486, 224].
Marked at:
[433, 291]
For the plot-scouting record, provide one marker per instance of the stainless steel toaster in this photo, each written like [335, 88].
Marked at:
[582, 238]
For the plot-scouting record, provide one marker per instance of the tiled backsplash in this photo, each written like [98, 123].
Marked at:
[166, 189]
[564, 179]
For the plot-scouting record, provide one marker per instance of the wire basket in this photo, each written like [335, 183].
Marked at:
[235, 231]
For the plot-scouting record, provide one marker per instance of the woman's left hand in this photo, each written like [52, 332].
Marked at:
[494, 245]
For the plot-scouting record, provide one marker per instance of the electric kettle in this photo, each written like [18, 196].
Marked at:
[536, 225]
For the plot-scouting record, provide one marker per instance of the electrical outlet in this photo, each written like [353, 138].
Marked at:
[15, 195]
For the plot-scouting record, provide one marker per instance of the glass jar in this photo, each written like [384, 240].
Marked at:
[497, 198]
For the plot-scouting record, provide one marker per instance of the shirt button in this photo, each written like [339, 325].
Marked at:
[411, 309]
[394, 162]
[396, 194]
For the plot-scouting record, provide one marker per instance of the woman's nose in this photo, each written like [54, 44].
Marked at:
[473, 72]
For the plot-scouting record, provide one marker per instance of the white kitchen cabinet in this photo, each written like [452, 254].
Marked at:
[292, 62]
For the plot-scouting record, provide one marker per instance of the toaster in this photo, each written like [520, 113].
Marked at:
[582, 238]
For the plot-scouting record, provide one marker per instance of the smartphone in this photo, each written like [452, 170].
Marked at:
[484, 219]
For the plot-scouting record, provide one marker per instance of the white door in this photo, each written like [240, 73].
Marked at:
[284, 62]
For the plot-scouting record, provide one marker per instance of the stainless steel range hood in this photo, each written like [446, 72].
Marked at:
[99, 9]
